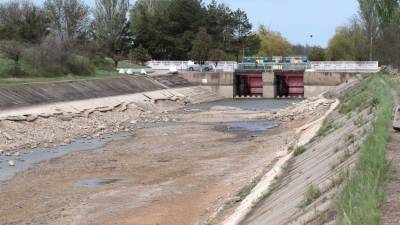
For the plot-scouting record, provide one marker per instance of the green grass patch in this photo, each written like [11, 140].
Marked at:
[299, 150]
[99, 74]
[360, 201]
[327, 126]
[312, 193]
[248, 188]
[128, 64]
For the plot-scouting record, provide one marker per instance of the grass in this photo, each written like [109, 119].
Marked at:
[6, 80]
[360, 201]
[312, 193]
[128, 64]
[99, 74]
[299, 150]
[245, 191]
[328, 126]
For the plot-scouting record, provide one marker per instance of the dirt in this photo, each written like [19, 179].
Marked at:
[179, 174]
[391, 208]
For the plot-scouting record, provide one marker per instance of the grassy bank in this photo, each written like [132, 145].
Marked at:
[360, 202]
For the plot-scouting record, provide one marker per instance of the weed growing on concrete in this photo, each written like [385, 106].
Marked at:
[351, 138]
[327, 126]
[361, 199]
[299, 150]
[312, 193]
[248, 188]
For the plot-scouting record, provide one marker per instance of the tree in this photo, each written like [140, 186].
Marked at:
[140, 54]
[247, 42]
[317, 54]
[273, 43]
[369, 15]
[216, 55]
[201, 45]
[111, 27]
[69, 19]
[12, 50]
[22, 21]
[149, 21]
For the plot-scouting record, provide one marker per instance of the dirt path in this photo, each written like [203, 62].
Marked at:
[391, 207]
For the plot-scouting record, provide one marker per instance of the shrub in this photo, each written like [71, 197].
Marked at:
[299, 150]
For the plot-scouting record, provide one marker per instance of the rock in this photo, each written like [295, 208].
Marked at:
[8, 153]
[133, 122]
[65, 117]
[43, 115]
[31, 118]
[11, 163]
[17, 154]
[16, 118]
[105, 109]
[102, 127]
[88, 112]
[7, 136]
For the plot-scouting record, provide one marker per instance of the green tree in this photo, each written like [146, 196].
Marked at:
[12, 50]
[273, 43]
[216, 55]
[140, 54]
[149, 22]
[202, 45]
[317, 54]
[22, 21]
[246, 42]
[369, 15]
[111, 27]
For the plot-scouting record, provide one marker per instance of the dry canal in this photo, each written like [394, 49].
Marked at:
[192, 167]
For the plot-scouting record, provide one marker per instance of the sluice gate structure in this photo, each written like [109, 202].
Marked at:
[281, 80]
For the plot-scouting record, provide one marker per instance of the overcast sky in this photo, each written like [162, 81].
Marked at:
[295, 19]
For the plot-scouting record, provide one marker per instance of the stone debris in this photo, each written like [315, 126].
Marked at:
[11, 163]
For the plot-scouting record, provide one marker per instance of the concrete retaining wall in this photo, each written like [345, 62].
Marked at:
[218, 82]
[42, 93]
[316, 83]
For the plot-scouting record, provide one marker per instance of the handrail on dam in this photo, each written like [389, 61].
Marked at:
[323, 66]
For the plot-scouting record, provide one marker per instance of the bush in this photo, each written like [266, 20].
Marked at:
[51, 58]
[299, 150]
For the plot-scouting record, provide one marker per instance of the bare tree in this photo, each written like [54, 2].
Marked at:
[111, 26]
[69, 18]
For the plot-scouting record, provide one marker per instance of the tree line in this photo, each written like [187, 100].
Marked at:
[373, 34]
[67, 36]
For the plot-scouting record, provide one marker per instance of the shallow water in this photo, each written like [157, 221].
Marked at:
[248, 104]
[30, 157]
[97, 182]
[251, 126]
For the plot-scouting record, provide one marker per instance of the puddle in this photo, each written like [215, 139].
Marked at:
[248, 104]
[97, 182]
[30, 157]
[250, 126]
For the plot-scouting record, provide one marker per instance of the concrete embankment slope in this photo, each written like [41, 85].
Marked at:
[42, 93]
[305, 192]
